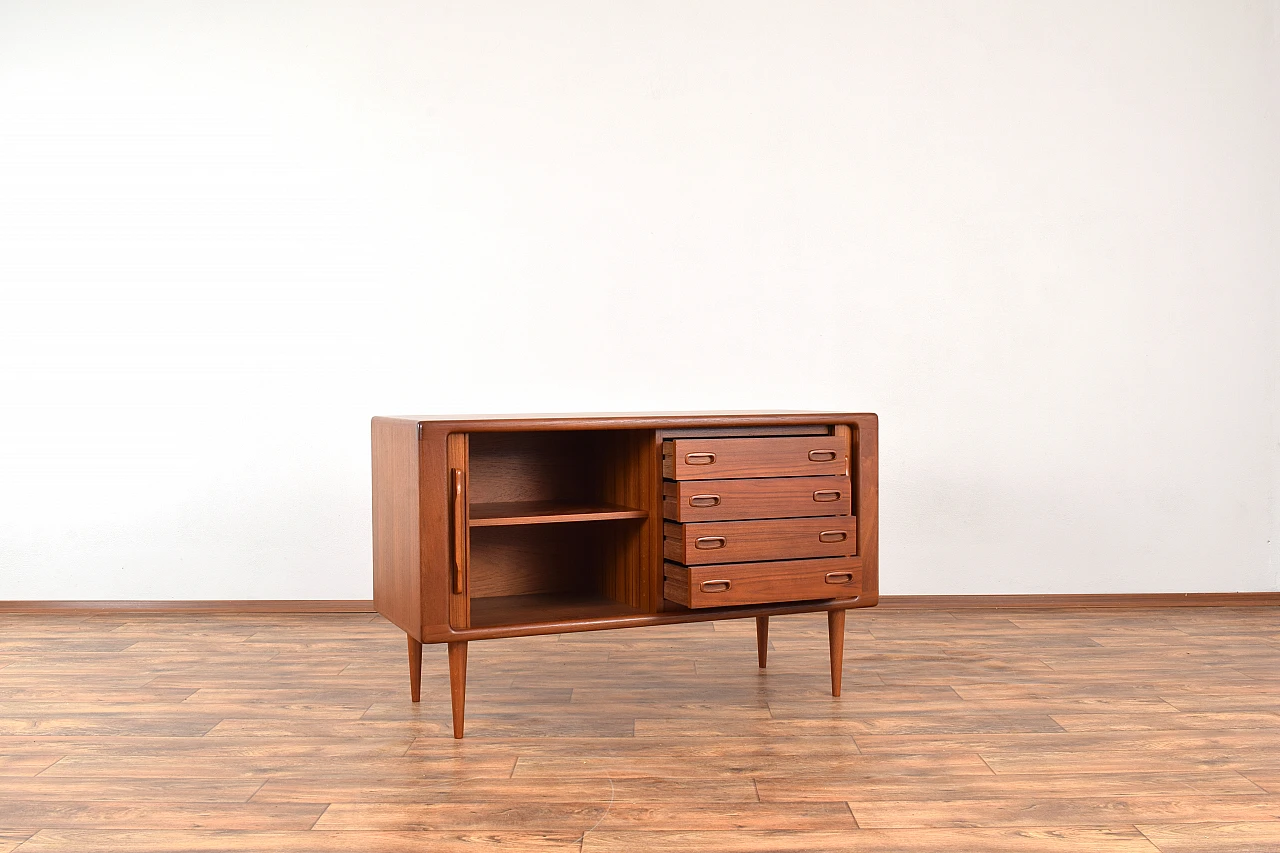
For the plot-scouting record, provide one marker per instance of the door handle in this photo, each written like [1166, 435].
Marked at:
[459, 530]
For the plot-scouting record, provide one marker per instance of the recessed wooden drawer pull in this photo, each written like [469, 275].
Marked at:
[824, 495]
[702, 458]
[832, 536]
[716, 586]
[708, 543]
[822, 455]
[704, 500]
[839, 577]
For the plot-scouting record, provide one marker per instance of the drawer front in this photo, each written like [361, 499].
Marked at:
[724, 458]
[762, 583]
[740, 541]
[775, 497]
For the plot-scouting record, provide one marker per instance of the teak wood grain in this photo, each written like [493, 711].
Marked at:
[724, 458]
[769, 497]
[768, 539]
[758, 583]
[535, 525]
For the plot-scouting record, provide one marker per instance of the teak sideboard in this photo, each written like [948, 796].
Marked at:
[488, 527]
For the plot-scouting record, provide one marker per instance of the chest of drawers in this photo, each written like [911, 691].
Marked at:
[487, 527]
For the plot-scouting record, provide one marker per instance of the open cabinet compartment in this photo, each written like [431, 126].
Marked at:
[557, 525]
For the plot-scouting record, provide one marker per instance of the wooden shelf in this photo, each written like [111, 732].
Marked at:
[544, 608]
[546, 512]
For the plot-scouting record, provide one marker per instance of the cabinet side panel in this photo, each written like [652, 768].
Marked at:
[396, 574]
[867, 510]
[629, 480]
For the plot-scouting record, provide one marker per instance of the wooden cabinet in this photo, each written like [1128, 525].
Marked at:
[488, 527]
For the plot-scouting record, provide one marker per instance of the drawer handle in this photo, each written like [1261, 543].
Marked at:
[822, 455]
[825, 495]
[700, 458]
[704, 500]
[832, 536]
[709, 543]
[716, 586]
[839, 577]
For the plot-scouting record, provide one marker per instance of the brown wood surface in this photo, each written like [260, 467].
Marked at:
[770, 497]
[396, 577]
[761, 583]
[770, 539]
[630, 479]
[968, 730]
[547, 512]
[415, 670]
[597, 461]
[458, 590]
[439, 451]
[754, 457]
[457, 685]
[762, 640]
[865, 459]
[835, 639]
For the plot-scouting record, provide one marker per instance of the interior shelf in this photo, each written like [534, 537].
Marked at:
[533, 609]
[547, 512]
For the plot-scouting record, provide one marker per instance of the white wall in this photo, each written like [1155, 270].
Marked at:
[1040, 239]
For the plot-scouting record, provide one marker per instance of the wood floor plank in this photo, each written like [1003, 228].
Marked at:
[559, 767]
[239, 767]
[1119, 761]
[580, 817]
[28, 764]
[168, 841]
[1021, 840]
[34, 815]
[580, 789]
[1124, 722]
[166, 789]
[975, 731]
[10, 841]
[1215, 836]
[1268, 779]
[1064, 811]
[943, 786]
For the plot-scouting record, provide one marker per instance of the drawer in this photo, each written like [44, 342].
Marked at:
[774, 539]
[762, 583]
[771, 497]
[724, 458]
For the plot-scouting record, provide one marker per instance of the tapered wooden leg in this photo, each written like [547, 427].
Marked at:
[835, 631]
[415, 669]
[762, 639]
[458, 683]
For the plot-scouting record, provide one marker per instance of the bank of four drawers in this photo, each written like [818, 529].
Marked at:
[758, 520]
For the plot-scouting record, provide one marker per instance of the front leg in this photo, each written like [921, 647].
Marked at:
[835, 631]
[458, 683]
[415, 669]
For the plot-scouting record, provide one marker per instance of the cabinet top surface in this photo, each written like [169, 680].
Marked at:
[630, 419]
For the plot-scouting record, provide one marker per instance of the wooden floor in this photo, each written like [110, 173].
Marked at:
[972, 730]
